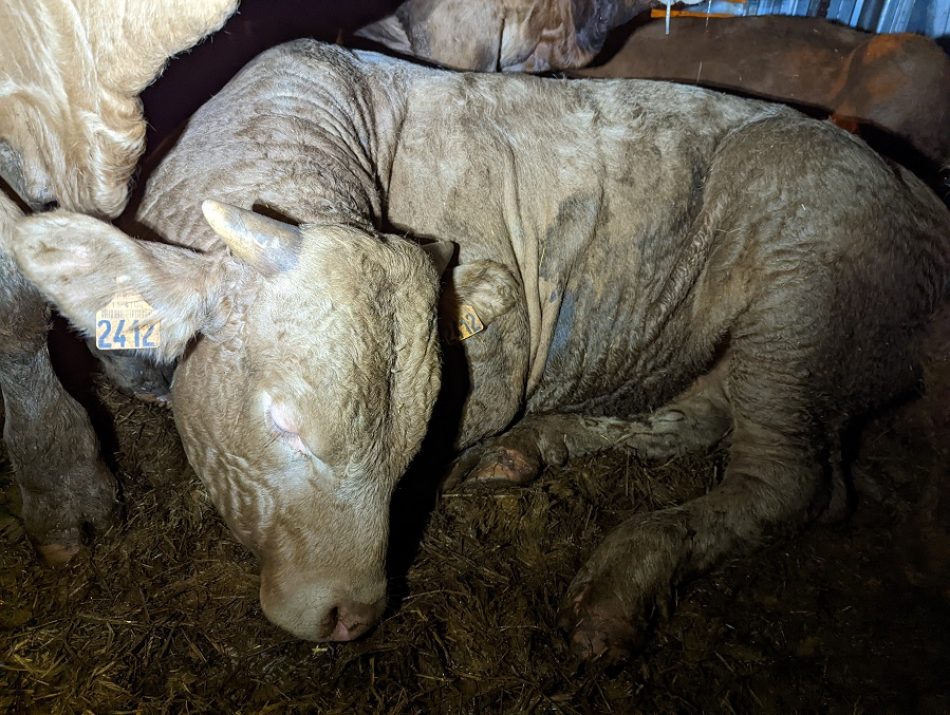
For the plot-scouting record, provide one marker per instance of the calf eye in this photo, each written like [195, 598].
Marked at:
[282, 422]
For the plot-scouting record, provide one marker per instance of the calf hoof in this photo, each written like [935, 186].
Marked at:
[57, 554]
[57, 522]
[598, 625]
[505, 465]
[611, 604]
[164, 399]
[136, 376]
[499, 463]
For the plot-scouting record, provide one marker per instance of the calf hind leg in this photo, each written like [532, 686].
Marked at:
[772, 482]
[51, 444]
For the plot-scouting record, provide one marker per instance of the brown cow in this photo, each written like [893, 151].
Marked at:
[898, 83]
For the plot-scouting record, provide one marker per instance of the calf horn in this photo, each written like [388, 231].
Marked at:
[268, 245]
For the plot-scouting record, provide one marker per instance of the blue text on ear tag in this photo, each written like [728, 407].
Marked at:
[127, 323]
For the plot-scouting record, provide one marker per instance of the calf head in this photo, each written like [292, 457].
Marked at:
[302, 400]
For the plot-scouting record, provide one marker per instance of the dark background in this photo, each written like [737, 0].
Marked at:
[193, 77]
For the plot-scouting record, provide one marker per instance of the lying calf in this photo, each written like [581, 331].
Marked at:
[639, 265]
[898, 84]
[504, 35]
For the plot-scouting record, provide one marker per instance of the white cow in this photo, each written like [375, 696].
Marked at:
[71, 132]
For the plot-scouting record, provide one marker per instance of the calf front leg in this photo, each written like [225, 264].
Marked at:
[50, 441]
[695, 421]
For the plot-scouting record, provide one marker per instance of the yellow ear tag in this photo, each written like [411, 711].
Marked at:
[127, 323]
[467, 323]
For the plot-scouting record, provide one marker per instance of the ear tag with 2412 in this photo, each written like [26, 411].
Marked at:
[463, 325]
[127, 322]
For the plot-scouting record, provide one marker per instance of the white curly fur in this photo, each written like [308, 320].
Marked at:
[70, 75]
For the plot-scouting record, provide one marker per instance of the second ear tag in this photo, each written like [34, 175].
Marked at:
[463, 325]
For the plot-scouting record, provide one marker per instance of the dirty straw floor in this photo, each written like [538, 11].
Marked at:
[162, 616]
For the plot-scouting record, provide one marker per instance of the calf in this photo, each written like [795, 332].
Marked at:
[71, 124]
[866, 83]
[639, 265]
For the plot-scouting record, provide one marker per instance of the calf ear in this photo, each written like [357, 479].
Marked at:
[440, 253]
[389, 32]
[82, 264]
[484, 289]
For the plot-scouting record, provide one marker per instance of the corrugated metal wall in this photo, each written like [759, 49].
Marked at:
[927, 17]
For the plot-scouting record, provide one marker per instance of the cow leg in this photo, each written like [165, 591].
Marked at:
[777, 458]
[695, 421]
[48, 436]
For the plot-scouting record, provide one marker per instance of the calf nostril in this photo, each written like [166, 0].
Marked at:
[352, 620]
[341, 632]
[349, 628]
[353, 625]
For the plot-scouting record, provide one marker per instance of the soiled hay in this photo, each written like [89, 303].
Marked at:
[161, 615]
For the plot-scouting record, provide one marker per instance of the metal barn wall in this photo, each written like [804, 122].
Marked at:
[927, 17]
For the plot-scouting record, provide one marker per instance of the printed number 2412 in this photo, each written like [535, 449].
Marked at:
[125, 335]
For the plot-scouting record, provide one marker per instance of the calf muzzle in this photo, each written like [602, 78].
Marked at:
[354, 619]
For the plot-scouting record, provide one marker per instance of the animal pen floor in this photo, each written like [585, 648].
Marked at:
[162, 614]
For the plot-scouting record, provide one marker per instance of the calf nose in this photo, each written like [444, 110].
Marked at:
[354, 619]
